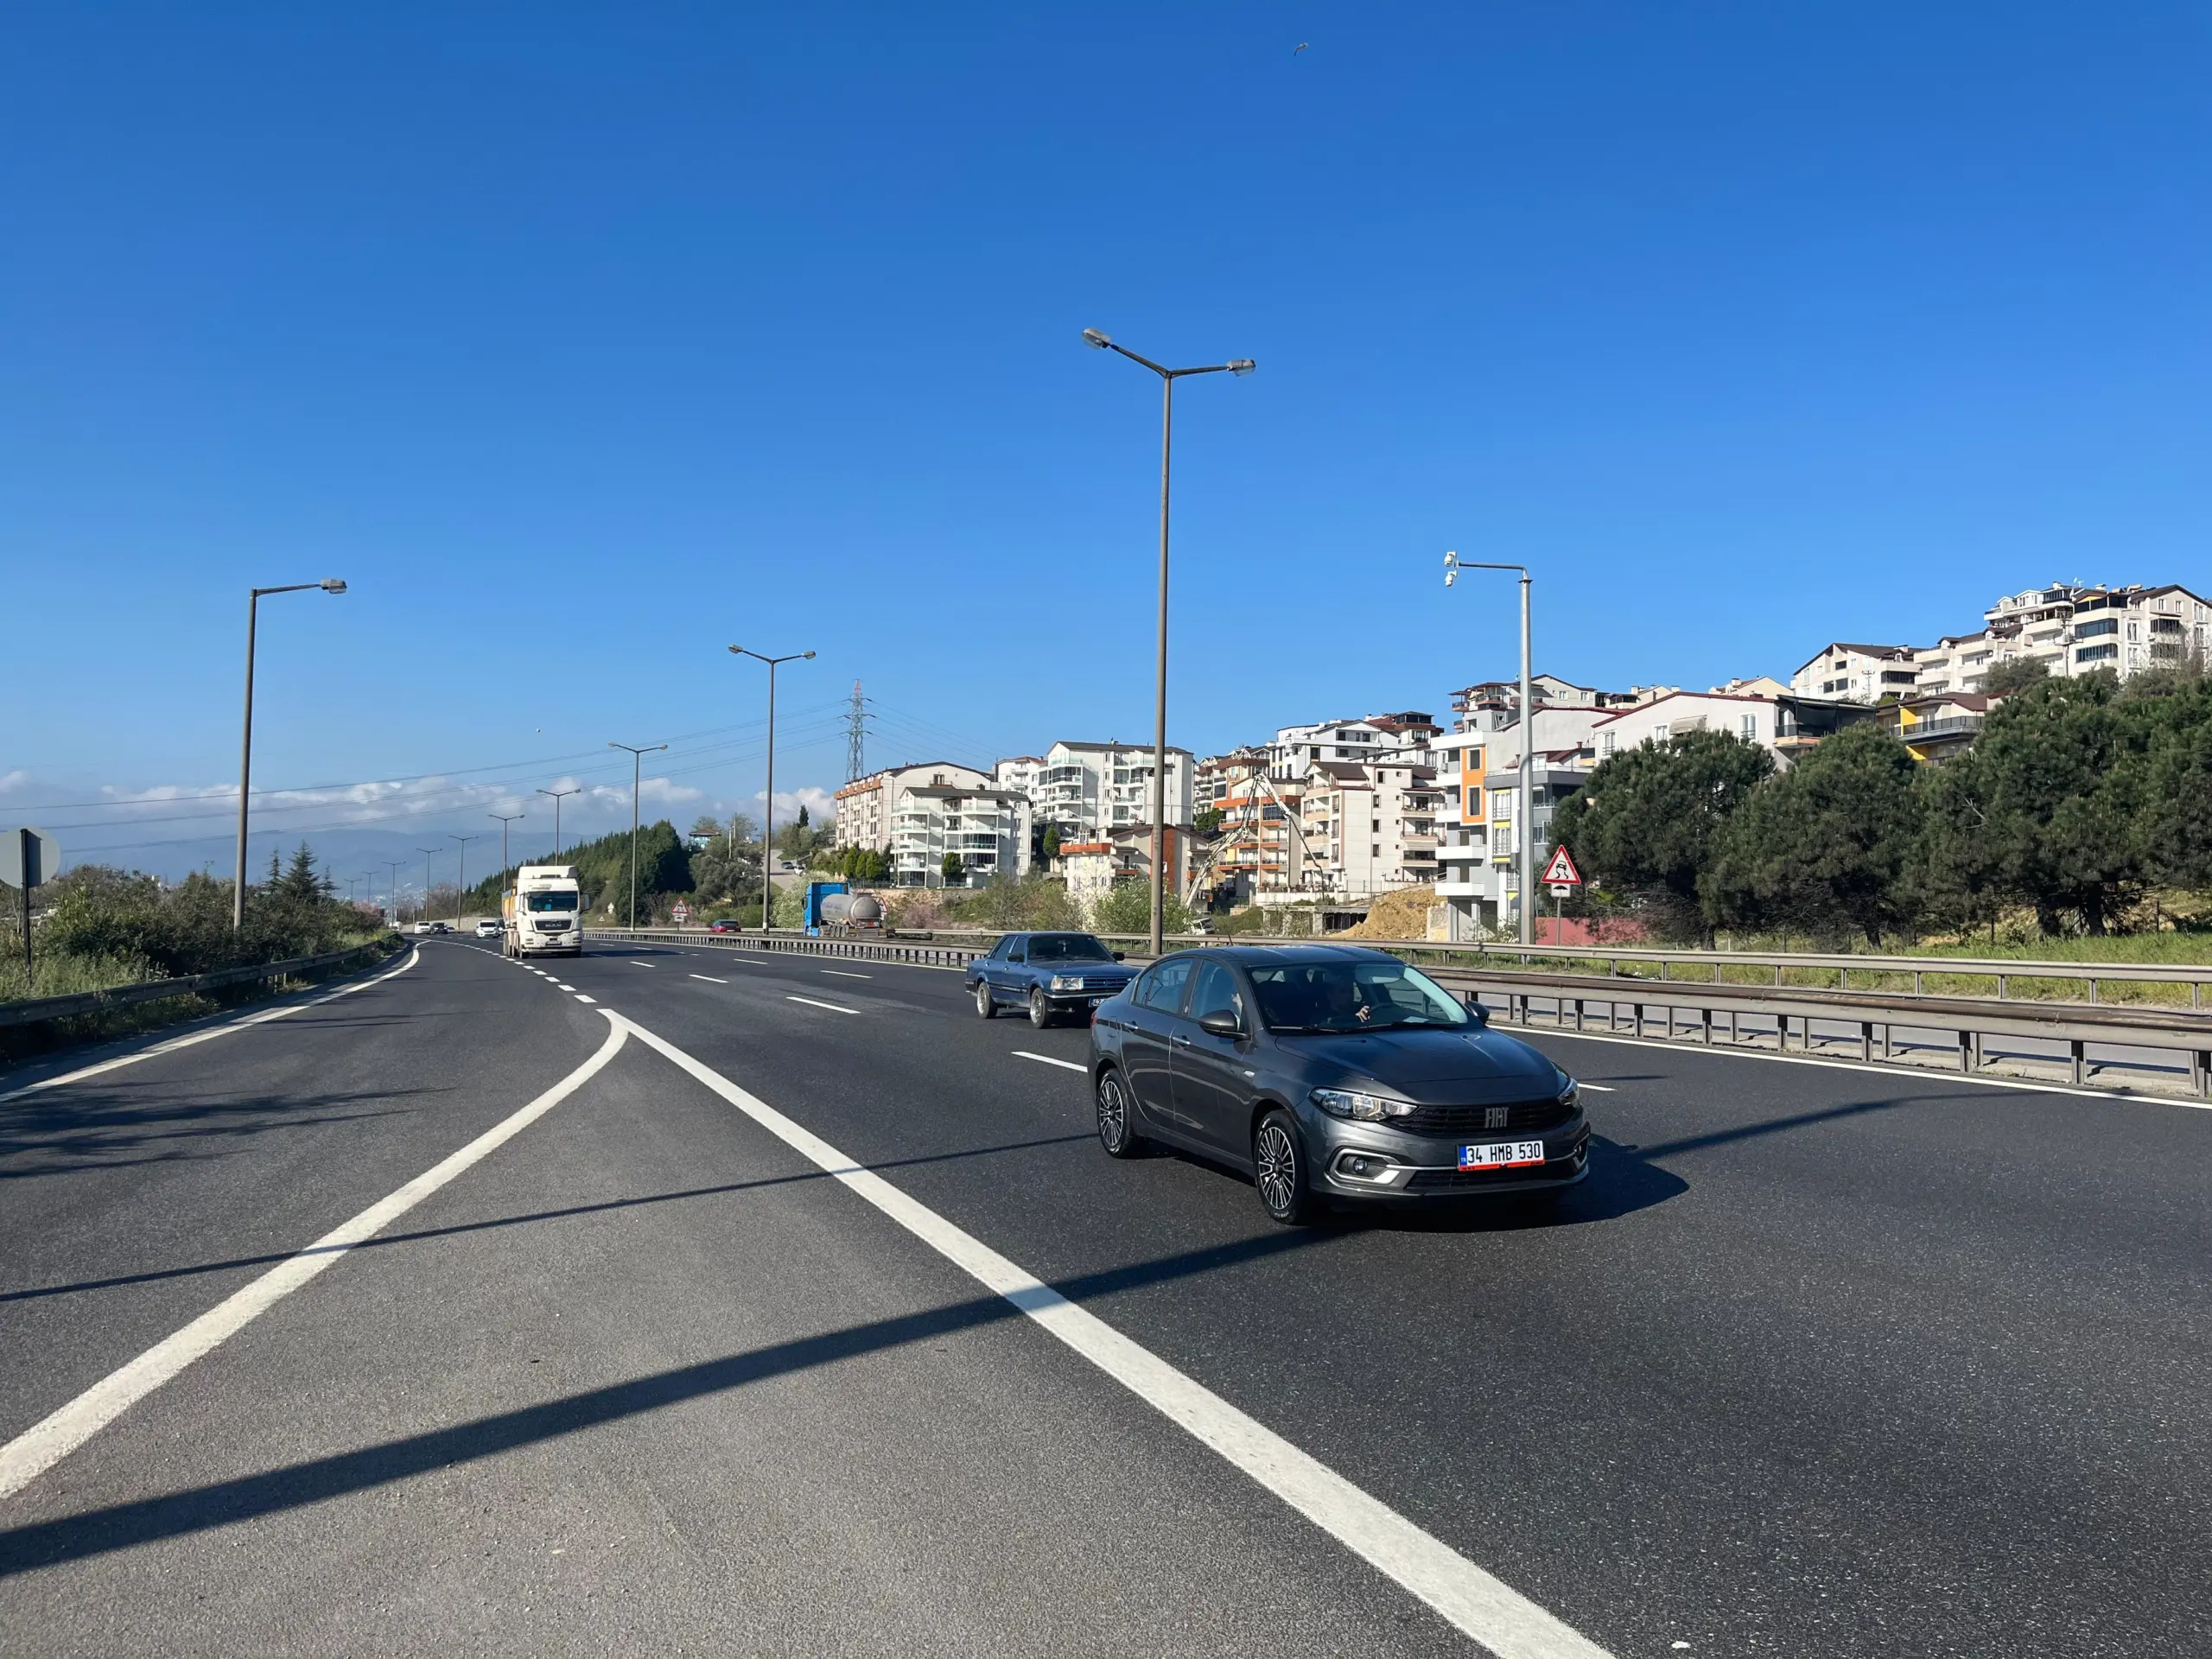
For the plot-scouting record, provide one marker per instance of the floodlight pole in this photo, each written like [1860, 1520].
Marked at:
[1241, 367]
[557, 794]
[505, 820]
[1452, 565]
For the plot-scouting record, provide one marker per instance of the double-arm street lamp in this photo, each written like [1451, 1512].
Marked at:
[768, 808]
[505, 818]
[1454, 564]
[329, 585]
[557, 795]
[1168, 377]
[460, 879]
[638, 752]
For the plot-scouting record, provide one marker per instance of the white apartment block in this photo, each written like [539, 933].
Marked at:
[1369, 828]
[2076, 630]
[1858, 673]
[1089, 789]
[986, 827]
[1349, 742]
[867, 805]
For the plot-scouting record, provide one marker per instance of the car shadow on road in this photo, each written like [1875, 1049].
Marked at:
[224, 1503]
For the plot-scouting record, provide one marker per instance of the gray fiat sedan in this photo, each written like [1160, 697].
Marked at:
[1331, 1072]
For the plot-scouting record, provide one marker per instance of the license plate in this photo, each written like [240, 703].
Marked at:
[1502, 1154]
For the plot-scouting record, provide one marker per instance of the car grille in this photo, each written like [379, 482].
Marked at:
[1476, 1120]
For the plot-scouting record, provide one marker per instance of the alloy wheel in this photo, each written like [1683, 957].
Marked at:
[1274, 1165]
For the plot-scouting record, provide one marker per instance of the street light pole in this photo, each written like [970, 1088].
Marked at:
[460, 879]
[768, 807]
[1452, 565]
[395, 864]
[329, 585]
[557, 794]
[1243, 365]
[637, 753]
[505, 820]
[428, 853]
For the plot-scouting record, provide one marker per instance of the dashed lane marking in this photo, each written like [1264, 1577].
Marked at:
[46, 1443]
[841, 974]
[710, 979]
[580, 997]
[1484, 1608]
[1602, 1088]
[1046, 1060]
[812, 1003]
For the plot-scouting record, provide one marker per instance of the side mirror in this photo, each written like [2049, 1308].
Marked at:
[1117, 956]
[1222, 1023]
[1476, 1012]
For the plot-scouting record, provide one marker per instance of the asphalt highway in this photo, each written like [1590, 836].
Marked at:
[1821, 1359]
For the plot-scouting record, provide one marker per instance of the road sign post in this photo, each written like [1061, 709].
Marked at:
[1563, 879]
[28, 857]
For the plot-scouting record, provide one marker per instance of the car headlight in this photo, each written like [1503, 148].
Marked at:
[1067, 981]
[1364, 1109]
[1568, 1096]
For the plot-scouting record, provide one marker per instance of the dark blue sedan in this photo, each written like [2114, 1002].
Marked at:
[1053, 976]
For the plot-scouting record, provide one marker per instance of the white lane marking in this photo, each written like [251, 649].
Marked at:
[841, 974]
[214, 1032]
[46, 1443]
[634, 962]
[558, 986]
[812, 1003]
[1602, 1088]
[1483, 1607]
[1046, 1060]
[710, 979]
[580, 997]
[1927, 1072]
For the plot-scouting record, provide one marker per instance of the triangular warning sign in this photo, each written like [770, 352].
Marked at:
[1561, 872]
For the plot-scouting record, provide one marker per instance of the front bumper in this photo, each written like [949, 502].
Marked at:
[1372, 1164]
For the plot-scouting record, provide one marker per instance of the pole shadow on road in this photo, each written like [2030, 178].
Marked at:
[63, 1135]
[123, 1526]
[383, 1241]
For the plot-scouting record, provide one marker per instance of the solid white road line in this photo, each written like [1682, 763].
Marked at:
[1484, 1608]
[1046, 1060]
[1928, 1072]
[812, 1003]
[710, 979]
[44, 1444]
[841, 974]
[214, 1032]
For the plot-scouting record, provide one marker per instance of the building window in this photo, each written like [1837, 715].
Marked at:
[2097, 630]
[1375, 852]
[1751, 728]
[2096, 653]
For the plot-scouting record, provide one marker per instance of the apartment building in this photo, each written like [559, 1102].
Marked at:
[2072, 629]
[986, 827]
[1939, 728]
[1858, 673]
[1369, 828]
[1091, 870]
[867, 806]
[1087, 790]
[1787, 725]
[1479, 807]
[1495, 703]
[1350, 742]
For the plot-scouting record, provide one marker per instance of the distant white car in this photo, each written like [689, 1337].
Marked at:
[487, 928]
[425, 927]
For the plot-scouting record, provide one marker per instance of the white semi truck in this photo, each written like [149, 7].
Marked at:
[542, 912]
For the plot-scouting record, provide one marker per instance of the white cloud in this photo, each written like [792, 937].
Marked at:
[821, 805]
[12, 779]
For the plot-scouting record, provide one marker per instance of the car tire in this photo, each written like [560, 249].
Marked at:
[1040, 1011]
[1117, 1128]
[1279, 1170]
[986, 1007]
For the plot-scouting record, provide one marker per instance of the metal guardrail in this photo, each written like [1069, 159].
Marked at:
[929, 952]
[31, 1011]
[1966, 1019]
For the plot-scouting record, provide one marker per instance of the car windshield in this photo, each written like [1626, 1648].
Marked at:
[552, 900]
[1067, 947]
[1351, 996]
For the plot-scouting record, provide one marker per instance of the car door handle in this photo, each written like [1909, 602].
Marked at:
[1181, 1041]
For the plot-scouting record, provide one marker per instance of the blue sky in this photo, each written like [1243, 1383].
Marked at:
[582, 342]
